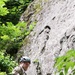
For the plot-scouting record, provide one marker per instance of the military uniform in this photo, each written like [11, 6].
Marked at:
[18, 71]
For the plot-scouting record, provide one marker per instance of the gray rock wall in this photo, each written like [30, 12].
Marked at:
[53, 35]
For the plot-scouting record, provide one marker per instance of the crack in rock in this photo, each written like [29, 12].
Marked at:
[38, 69]
[46, 31]
[67, 41]
[48, 73]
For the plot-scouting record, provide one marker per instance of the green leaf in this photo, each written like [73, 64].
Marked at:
[3, 10]
[32, 26]
[5, 37]
[2, 73]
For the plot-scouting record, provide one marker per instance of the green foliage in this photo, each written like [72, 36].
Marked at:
[3, 10]
[12, 32]
[15, 9]
[32, 26]
[8, 34]
[36, 61]
[2, 73]
[64, 63]
[6, 63]
[11, 36]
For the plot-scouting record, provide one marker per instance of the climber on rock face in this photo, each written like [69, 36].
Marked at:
[22, 67]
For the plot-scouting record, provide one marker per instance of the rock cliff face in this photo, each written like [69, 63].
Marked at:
[53, 35]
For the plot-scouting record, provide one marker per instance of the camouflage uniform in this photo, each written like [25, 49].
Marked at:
[18, 71]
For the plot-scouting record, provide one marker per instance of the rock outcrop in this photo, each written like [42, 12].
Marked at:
[53, 35]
